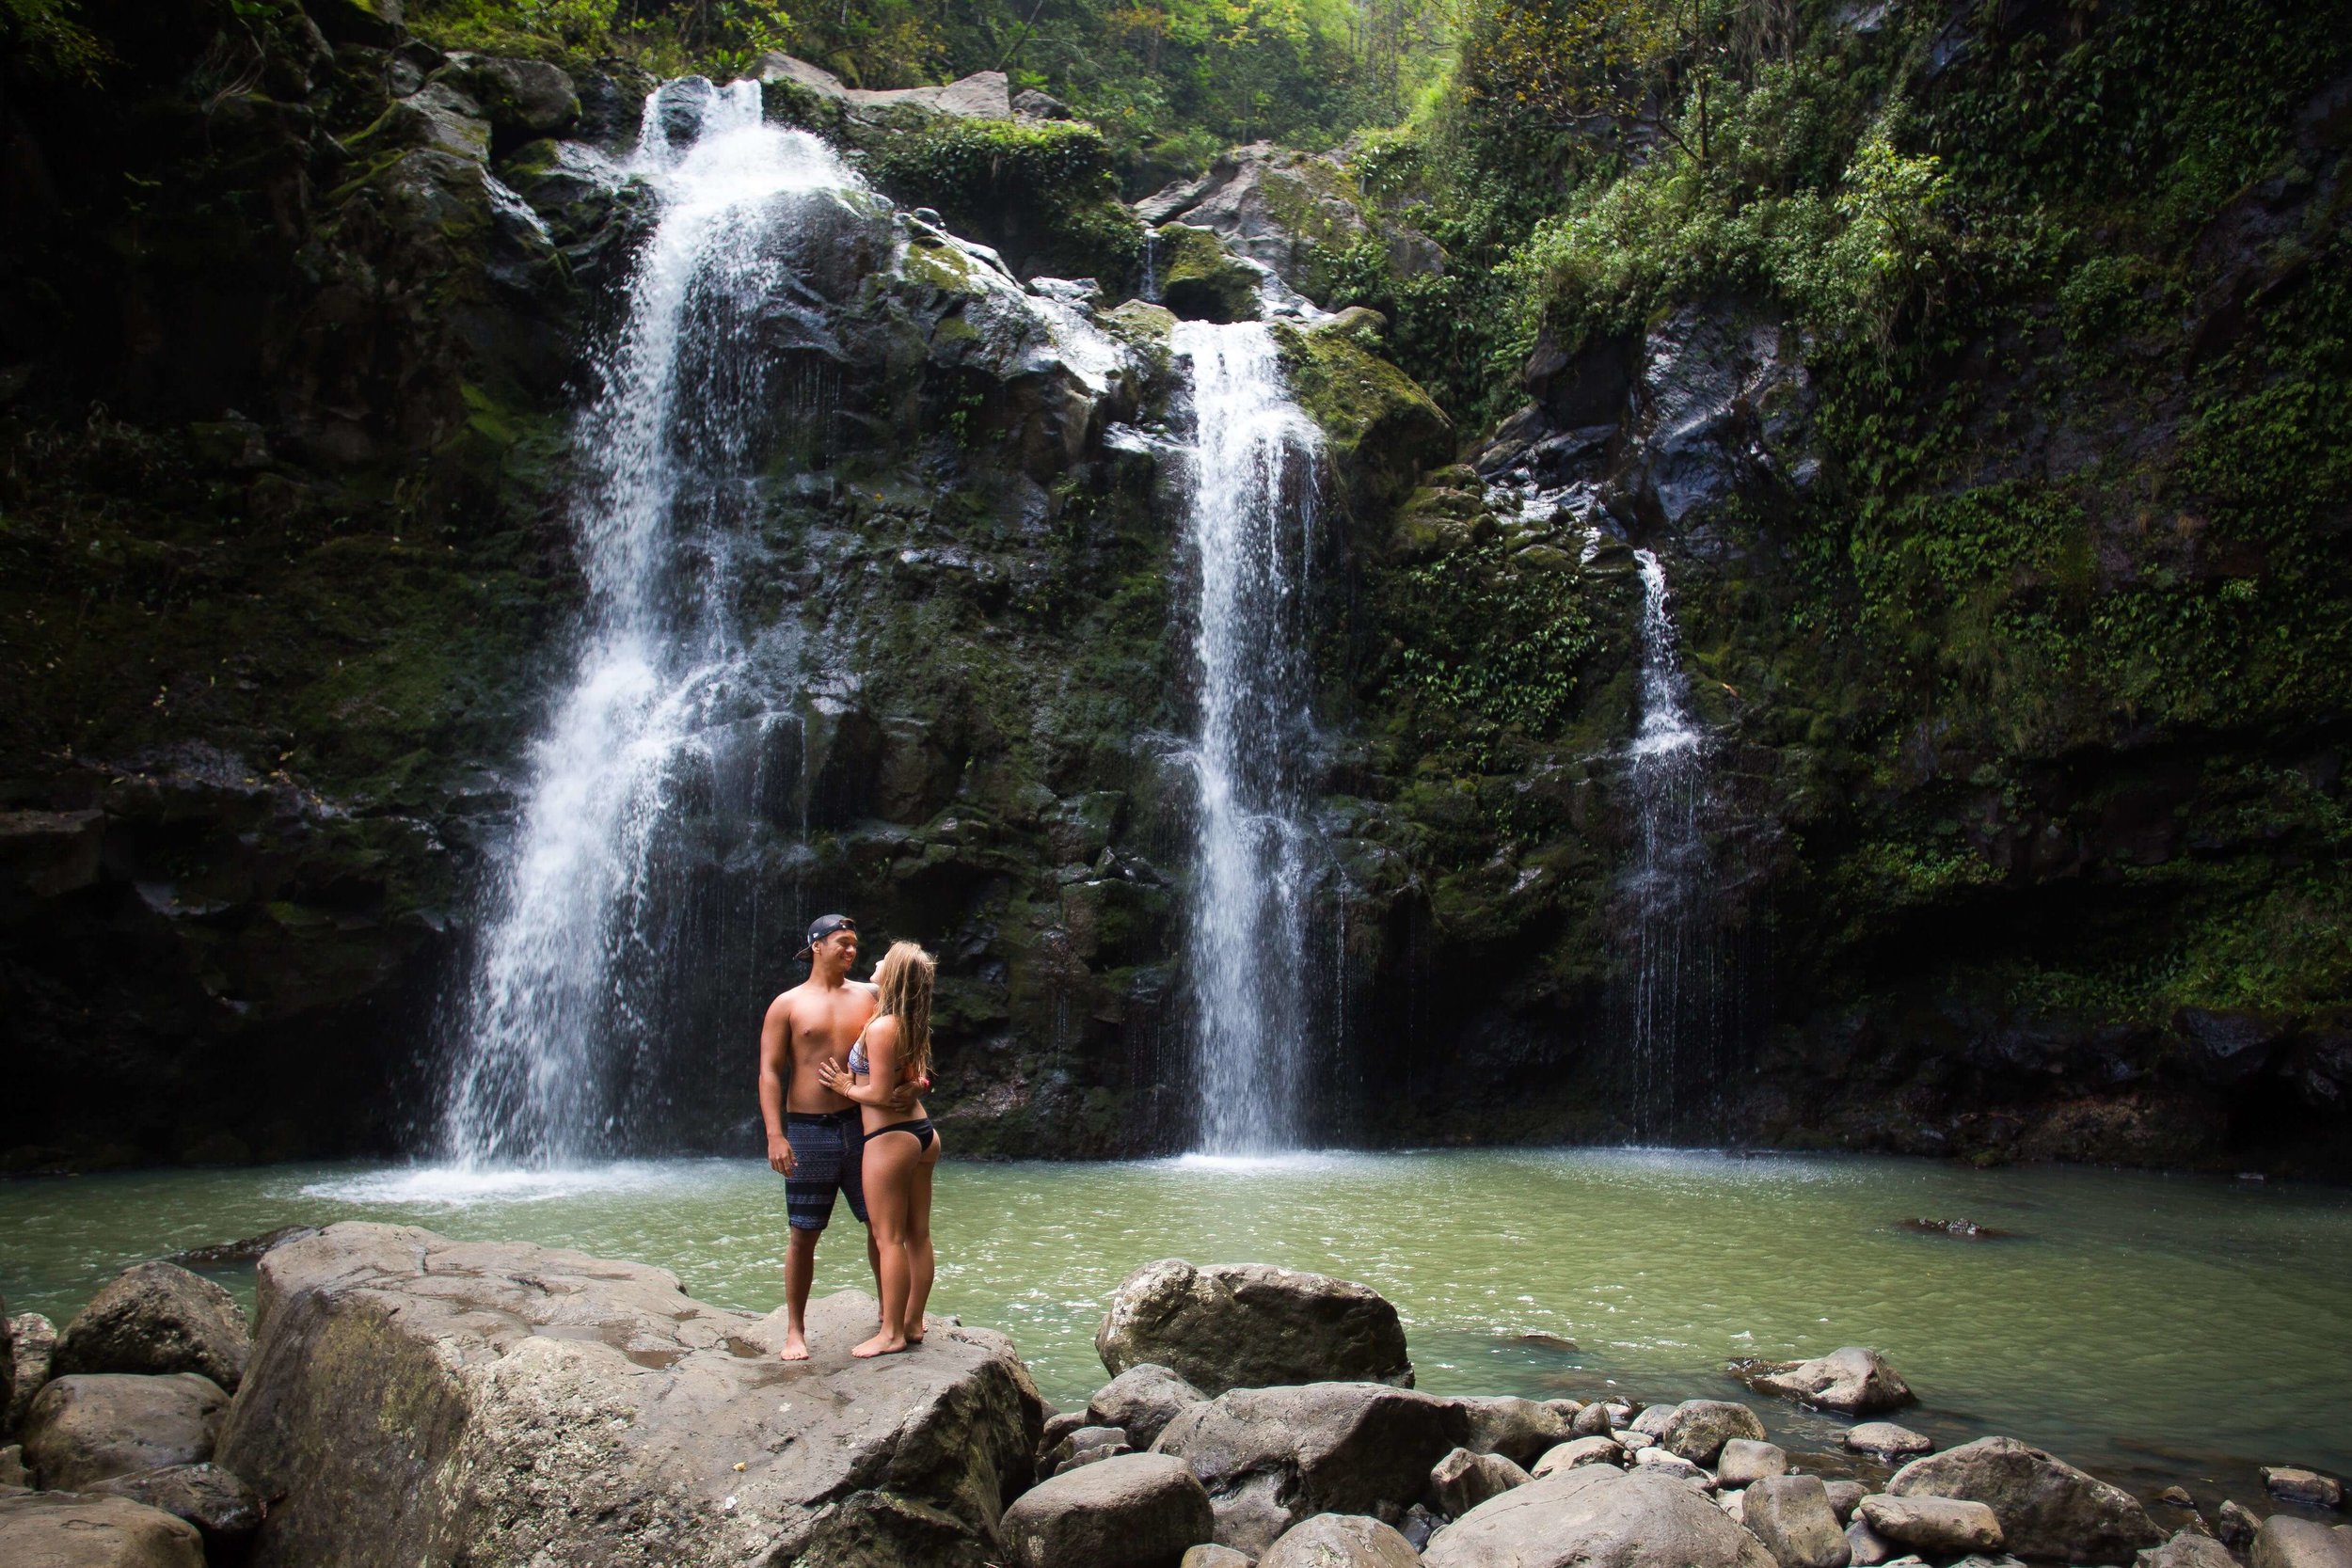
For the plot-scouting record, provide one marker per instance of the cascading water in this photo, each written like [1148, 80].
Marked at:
[1250, 523]
[668, 697]
[1673, 1001]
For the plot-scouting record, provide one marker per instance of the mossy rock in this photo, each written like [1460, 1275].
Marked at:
[1042, 196]
[1198, 280]
[1381, 429]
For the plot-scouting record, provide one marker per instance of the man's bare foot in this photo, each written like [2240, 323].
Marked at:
[795, 1348]
[881, 1344]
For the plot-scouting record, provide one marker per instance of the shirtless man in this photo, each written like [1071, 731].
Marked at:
[813, 1141]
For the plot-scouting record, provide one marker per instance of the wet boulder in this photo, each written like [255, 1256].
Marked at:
[1141, 1401]
[1597, 1514]
[1696, 1430]
[89, 1426]
[1792, 1517]
[1273, 205]
[559, 1407]
[1271, 1457]
[527, 98]
[224, 1509]
[157, 1318]
[2046, 1507]
[1136, 1510]
[1855, 1380]
[1379, 427]
[1462, 1480]
[1341, 1541]
[64, 1529]
[1199, 281]
[1249, 1326]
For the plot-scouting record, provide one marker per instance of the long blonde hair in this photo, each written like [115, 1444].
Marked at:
[905, 976]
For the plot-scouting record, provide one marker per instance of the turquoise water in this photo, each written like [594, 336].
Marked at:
[2155, 1328]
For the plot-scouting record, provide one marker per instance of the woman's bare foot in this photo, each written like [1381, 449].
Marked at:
[795, 1348]
[883, 1344]
[916, 1337]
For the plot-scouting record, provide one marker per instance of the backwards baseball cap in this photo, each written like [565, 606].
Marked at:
[825, 925]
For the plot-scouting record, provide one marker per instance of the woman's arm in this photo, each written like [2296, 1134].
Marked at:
[881, 1064]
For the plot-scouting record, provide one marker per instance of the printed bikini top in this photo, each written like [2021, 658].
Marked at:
[859, 1065]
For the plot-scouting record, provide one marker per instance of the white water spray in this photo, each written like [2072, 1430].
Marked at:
[665, 693]
[1250, 526]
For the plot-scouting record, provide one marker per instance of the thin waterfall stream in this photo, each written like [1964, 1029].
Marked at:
[666, 692]
[1249, 528]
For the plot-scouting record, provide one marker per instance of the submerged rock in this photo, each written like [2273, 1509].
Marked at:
[1137, 1511]
[1856, 1380]
[2046, 1507]
[1597, 1514]
[158, 1318]
[1341, 1541]
[92, 1425]
[1271, 1457]
[63, 1529]
[1886, 1440]
[1250, 1325]
[563, 1407]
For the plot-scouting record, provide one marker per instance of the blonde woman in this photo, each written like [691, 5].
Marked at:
[893, 1053]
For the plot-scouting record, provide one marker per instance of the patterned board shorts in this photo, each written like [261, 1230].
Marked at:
[828, 1156]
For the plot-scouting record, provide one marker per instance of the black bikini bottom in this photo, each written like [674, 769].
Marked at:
[920, 1127]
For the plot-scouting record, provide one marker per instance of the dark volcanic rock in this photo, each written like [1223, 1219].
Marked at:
[1249, 1326]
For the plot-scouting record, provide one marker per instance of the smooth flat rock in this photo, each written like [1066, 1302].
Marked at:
[1698, 1428]
[1520, 1429]
[1271, 1457]
[157, 1318]
[1135, 1510]
[1934, 1527]
[1341, 1541]
[1462, 1480]
[1578, 1450]
[557, 1407]
[1855, 1379]
[224, 1509]
[2046, 1507]
[2291, 1483]
[2188, 1549]
[1250, 1325]
[1791, 1516]
[1887, 1440]
[66, 1529]
[2286, 1542]
[92, 1425]
[1141, 1401]
[1745, 1460]
[1597, 1515]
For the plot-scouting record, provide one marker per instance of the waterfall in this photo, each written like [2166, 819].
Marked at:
[1251, 529]
[671, 708]
[1671, 993]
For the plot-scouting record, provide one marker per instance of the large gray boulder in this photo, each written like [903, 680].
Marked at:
[1595, 1515]
[1934, 1527]
[1792, 1517]
[1522, 1431]
[157, 1318]
[1141, 1401]
[1136, 1510]
[2286, 1542]
[224, 1509]
[33, 1344]
[1341, 1541]
[557, 1407]
[1698, 1428]
[1250, 1325]
[92, 1425]
[64, 1529]
[1855, 1380]
[1271, 1457]
[2046, 1507]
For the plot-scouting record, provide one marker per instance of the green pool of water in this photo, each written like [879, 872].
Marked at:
[2155, 1328]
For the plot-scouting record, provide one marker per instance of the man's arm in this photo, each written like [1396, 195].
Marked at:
[775, 1061]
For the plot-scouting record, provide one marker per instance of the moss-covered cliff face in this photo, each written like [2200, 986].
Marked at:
[2002, 496]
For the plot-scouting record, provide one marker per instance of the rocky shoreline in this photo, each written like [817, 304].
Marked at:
[401, 1398]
